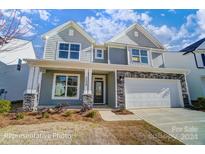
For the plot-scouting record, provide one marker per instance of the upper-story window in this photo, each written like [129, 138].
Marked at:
[140, 56]
[203, 58]
[69, 51]
[99, 54]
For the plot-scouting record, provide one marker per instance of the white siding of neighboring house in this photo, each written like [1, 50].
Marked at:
[12, 80]
[194, 78]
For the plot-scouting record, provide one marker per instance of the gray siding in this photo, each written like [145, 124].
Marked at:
[13, 81]
[52, 43]
[118, 56]
[141, 40]
[46, 89]
[105, 60]
[111, 89]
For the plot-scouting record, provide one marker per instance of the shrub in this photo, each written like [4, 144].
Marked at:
[201, 101]
[19, 116]
[5, 106]
[68, 113]
[91, 114]
[45, 115]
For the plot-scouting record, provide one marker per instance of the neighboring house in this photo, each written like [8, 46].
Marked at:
[193, 58]
[126, 71]
[13, 82]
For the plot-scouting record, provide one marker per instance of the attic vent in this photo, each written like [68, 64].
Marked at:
[71, 32]
[136, 34]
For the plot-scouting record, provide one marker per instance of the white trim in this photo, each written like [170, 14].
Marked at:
[30, 77]
[90, 81]
[44, 50]
[67, 25]
[96, 57]
[68, 59]
[92, 50]
[190, 103]
[104, 86]
[128, 55]
[119, 46]
[63, 98]
[115, 88]
[151, 59]
[85, 81]
[39, 84]
[108, 54]
[66, 65]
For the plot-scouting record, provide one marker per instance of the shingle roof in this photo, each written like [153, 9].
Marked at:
[193, 46]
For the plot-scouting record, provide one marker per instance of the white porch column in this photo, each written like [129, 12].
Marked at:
[32, 84]
[86, 82]
[90, 71]
[30, 101]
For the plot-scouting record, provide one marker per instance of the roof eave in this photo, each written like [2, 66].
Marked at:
[112, 67]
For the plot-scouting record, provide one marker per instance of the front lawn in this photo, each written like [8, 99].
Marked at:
[72, 127]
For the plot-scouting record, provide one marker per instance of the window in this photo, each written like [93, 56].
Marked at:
[66, 86]
[63, 50]
[69, 51]
[140, 56]
[203, 58]
[99, 54]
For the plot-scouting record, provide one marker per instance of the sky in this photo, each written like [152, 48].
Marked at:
[175, 29]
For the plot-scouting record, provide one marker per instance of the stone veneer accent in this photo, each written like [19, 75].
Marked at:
[29, 102]
[152, 75]
[87, 101]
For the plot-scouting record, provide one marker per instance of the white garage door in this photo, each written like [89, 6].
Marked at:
[148, 93]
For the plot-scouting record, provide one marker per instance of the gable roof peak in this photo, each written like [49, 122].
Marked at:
[67, 24]
[143, 31]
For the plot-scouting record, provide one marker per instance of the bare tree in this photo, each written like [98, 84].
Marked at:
[11, 28]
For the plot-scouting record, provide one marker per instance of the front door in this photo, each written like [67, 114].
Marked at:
[98, 92]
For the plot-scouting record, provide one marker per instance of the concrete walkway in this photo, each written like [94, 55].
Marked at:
[188, 126]
[108, 115]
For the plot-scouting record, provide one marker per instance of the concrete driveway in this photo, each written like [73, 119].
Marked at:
[188, 126]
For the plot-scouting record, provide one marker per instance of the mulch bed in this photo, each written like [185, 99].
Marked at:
[36, 118]
[121, 112]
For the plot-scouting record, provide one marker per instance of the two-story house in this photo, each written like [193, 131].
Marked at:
[191, 57]
[127, 71]
[14, 71]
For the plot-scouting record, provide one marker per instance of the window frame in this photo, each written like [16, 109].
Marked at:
[140, 56]
[57, 53]
[102, 50]
[203, 59]
[65, 97]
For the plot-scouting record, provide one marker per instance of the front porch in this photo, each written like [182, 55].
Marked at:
[54, 86]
